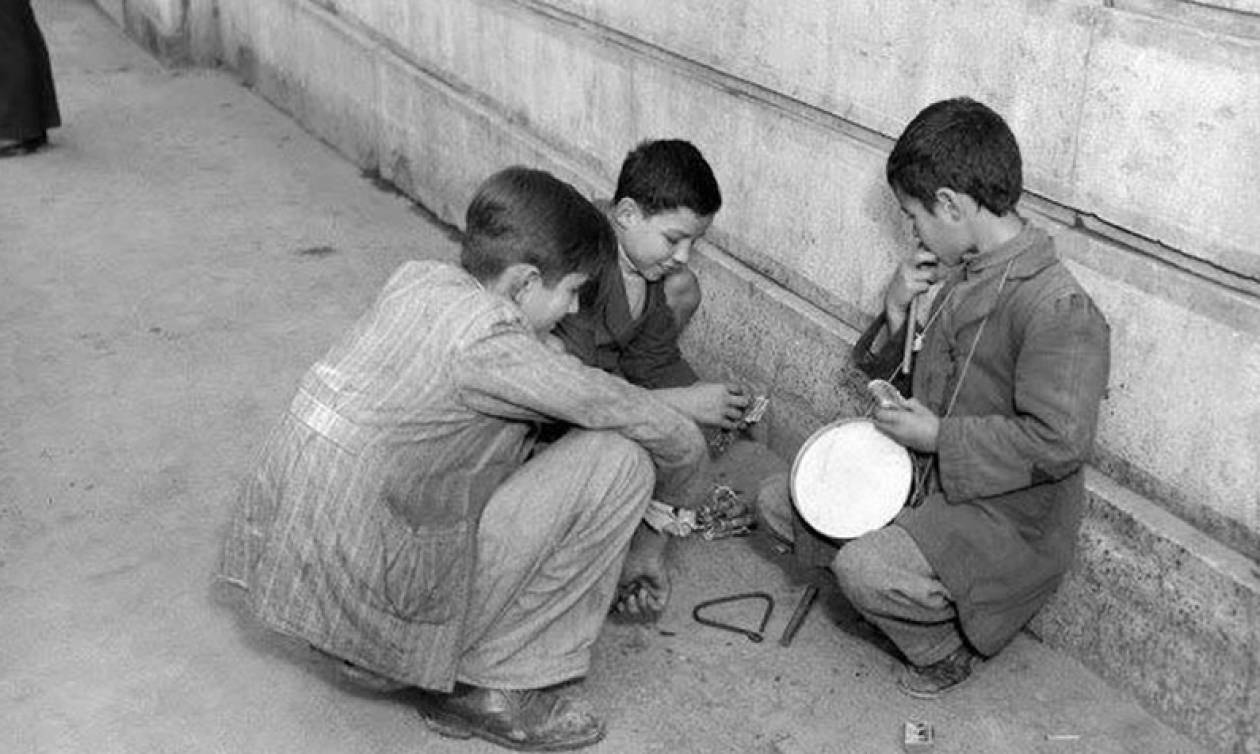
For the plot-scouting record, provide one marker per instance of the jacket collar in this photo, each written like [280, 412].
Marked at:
[981, 279]
[1029, 252]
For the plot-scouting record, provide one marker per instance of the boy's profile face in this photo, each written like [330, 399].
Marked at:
[545, 305]
[939, 230]
[659, 243]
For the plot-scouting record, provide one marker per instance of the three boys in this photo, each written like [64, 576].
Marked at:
[398, 521]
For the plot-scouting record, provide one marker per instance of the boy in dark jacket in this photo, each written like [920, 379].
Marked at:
[665, 201]
[633, 315]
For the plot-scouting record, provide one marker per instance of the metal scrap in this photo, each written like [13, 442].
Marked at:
[726, 514]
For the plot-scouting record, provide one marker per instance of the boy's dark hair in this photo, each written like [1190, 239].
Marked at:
[668, 174]
[520, 215]
[962, 145]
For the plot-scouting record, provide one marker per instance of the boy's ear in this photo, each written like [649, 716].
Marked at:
[627, 212]
[950, 203]
[518, 278]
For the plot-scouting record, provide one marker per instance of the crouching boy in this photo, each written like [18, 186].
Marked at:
[396, 518]
[665, 200]
[1011, 364]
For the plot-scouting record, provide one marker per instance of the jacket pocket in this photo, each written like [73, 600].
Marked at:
[422, 573]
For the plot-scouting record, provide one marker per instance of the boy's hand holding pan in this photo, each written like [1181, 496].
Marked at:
[904, 419]
[886, 396]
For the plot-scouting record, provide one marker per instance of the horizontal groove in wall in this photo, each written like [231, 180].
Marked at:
[707, 74]
[1212, 291]
[1215, 17]
[1202, 293]
[1180, 261]
[585, 167]
[587, 171]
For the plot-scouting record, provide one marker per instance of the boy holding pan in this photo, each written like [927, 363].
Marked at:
[1009, 366]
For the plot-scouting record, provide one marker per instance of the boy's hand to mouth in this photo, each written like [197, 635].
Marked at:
[913, 277]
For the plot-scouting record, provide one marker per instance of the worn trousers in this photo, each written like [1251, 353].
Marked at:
[550, 548]
[884, 575]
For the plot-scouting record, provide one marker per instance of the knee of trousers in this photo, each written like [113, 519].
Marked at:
[616, 451]
[774, 504]
[860, 572]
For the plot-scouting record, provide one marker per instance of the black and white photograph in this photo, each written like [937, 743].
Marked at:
[630, 376]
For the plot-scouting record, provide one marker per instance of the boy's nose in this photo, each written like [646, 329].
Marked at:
[683, 253]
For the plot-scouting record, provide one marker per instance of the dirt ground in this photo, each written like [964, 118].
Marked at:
[170, 267]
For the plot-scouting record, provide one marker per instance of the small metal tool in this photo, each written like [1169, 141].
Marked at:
[798, 617]
[755, 636]
[907, 353]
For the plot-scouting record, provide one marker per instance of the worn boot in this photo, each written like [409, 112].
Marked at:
[930, 681]
[528, 720]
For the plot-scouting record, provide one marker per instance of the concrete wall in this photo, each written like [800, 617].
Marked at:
[1141, 130]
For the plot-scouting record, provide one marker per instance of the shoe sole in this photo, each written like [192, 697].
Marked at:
[452, 726]
[446, 726]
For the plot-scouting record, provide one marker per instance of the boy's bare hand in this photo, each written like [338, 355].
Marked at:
[712, 403]
[913, 425]
[913, 276]
[644, 584]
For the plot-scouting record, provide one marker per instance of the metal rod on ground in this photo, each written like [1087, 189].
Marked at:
[798, 617]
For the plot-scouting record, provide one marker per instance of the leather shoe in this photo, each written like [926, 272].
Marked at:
[930, 681]
[527, 720]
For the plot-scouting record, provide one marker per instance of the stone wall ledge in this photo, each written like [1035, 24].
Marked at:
[1159, 608]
